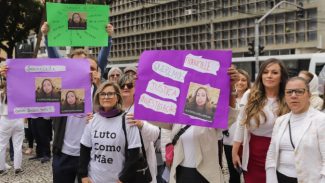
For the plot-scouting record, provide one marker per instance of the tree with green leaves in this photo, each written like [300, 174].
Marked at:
[17, 19]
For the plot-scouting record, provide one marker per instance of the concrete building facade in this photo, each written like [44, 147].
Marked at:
[214, 24]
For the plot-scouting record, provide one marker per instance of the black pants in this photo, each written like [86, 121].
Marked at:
[29, 134]
[11, 150]
[65, 168]
[189, 175]
[42, 131]
[234, 175]
[160, 171]
[285, 179]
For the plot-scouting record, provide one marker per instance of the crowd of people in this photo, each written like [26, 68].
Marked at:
[275, 131]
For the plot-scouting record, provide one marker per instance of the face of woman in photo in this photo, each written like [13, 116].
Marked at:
[47, 87]
[201, 97]
[297, 97]
[127, 90]
[114, 77]
[108, 98]
[271, 76]
[241, 84]
[76, 18]
[71, 98]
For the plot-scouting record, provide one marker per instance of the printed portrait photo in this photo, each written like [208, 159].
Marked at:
[72, 101]
[48, 89]
[201, 101]
[77, 21]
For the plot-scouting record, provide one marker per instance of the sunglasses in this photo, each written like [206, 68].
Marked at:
[128, 85]
[114, 75]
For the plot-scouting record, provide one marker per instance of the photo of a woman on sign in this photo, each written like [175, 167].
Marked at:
[201, 101]
[48, 89]
[77, 21]
[72, 101]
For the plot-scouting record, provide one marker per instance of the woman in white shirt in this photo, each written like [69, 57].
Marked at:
[149, 132]
[241, 86]
[262, 105]
[197, 154]
[102, 153]
[297, 149]
[9, 128]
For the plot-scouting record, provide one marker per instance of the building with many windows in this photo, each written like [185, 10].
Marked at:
[214, 24]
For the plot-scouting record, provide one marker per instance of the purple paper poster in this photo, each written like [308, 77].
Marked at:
[48, 87]
[186, 87]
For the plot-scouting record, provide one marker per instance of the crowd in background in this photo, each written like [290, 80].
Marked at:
[275, 133]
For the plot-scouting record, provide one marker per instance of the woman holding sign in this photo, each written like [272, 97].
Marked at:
[149, 132]
[195, 158]
[9, 128]
[262, 105]
[102, 153]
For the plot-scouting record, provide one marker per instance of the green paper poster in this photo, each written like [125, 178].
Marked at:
[77, 25]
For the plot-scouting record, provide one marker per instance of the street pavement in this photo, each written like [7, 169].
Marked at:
[34, 172]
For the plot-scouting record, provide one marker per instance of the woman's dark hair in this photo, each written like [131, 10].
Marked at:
[74, 15]
[66, 98]
[193, 104]
[49, 80]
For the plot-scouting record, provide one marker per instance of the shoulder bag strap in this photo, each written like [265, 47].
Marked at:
[126, 139]
[179, 133]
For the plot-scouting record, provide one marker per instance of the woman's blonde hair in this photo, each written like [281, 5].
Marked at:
[101, 87]
[246, 75]
[257, 97]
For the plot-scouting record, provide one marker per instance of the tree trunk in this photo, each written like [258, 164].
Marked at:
[10, 51]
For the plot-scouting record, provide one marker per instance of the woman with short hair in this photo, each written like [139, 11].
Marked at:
[102, 153]
[297, 149]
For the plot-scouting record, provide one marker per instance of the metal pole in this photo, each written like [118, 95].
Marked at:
[256, 49]
[257, 22]
[212, 35]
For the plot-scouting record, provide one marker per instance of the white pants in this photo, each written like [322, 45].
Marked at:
[11, 128]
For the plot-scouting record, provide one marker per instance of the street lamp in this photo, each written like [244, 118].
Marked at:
[257, 22]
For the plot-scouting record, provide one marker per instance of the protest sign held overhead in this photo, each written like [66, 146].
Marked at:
[186, 87]
[48, 87]
[77, 24]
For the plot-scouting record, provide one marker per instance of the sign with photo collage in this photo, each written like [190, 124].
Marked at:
[185, 87]
[48, 87]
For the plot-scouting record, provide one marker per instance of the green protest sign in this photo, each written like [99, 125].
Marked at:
[77, 25]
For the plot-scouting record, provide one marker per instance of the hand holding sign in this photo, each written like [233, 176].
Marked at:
[77, 24]
[187, 87]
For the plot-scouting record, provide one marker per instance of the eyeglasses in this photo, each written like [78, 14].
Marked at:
[115, 75]
[128, 85]
[108, 94]
[298, 92]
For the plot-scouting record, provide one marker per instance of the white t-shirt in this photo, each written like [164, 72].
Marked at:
[189, 148]
[266, 127]
[73, 132]
[287, 161]
[106, 138]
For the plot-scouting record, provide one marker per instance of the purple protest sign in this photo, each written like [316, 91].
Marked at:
[48, 87]
[186, 87]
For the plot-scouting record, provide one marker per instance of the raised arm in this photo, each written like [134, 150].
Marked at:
[52, 52]
[104, 51]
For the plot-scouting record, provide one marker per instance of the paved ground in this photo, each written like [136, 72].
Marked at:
[35, 172]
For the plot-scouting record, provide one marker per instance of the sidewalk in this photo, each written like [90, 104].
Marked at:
[34, 172]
